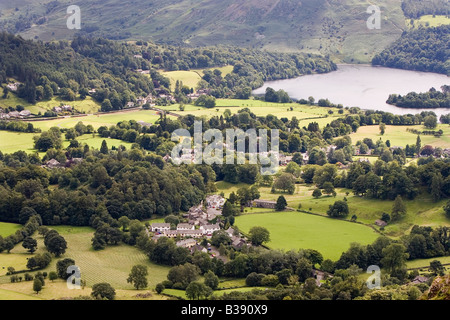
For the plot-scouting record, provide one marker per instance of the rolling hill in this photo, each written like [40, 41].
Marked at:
[330, 27]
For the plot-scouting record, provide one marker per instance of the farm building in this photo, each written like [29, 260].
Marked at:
[210, 228]
[187, 243]
[264, 204]
[160, 227]
[185, 226]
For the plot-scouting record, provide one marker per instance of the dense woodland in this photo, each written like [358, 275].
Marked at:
[138, 183]
[431, 99]
[414, 9]
[423, 49]
[70, 70]
[57, 69]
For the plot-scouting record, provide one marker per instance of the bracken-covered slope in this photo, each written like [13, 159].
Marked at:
[334, 27]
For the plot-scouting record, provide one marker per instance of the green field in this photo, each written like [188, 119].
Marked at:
[398, 136]
[99, 120]
[192, 77]
[111, 265]
[296, 230]
[304, 113]
[7, 229]
[189, 78]
[14, 141]
[96, 142]
[424, 263]
[421, 211]
[11, 142]
[87, 105]
[429, 21]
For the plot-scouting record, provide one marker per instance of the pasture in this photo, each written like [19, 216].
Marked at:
[111, 265]
[429, 21]
[421, 211]
[304, 113]
[192, 77]
[98, 120]
[87, 105]
[11, 142]
[297, 230]
[7, 229]
[399, 136]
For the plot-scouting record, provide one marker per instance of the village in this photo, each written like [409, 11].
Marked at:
[198, 226]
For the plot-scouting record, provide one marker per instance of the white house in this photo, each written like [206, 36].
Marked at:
[14, 114]
[190, 233]
[185, 226]
[187, 243]
[13, 86]
[66, 107]
[210, 228]
[25, 113]
[160, 227]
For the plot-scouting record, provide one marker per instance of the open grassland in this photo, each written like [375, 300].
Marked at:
[111, 265]
[11, 142]
[399, 136]
[304, 113]
[14, 141]
[58, 290]
[189, 78]
[99, 120]
[7, 229]
[297, 230]
[420, 211]
[428, 21]
[87, 105]
[425, 263]
[95, 141]
[192, 77]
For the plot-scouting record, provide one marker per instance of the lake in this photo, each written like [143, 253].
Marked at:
[363, 86]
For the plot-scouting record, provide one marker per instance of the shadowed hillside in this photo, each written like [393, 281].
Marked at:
[334, 27]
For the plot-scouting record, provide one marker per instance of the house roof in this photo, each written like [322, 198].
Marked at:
[264, 201]
[211, 226]
[160, 225]
[380, 223]
[184, 226]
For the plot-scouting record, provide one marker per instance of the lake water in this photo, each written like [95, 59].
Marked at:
[363, 86]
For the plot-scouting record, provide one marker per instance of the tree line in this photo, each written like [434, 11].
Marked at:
[414, 9]
[431, 99]
[423, 49]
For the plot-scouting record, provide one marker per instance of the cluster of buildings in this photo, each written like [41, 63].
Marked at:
[62, 109]
[15, 115]
[54, 164]
[199, 226]
[196, 95]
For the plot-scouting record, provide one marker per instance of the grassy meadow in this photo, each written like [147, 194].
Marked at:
[192, 77]
[399, 136]
[87, 105]
[7, 229]
[421, 211]
[295, 230]
[111, 265]
[429, 21]
[99, 120]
